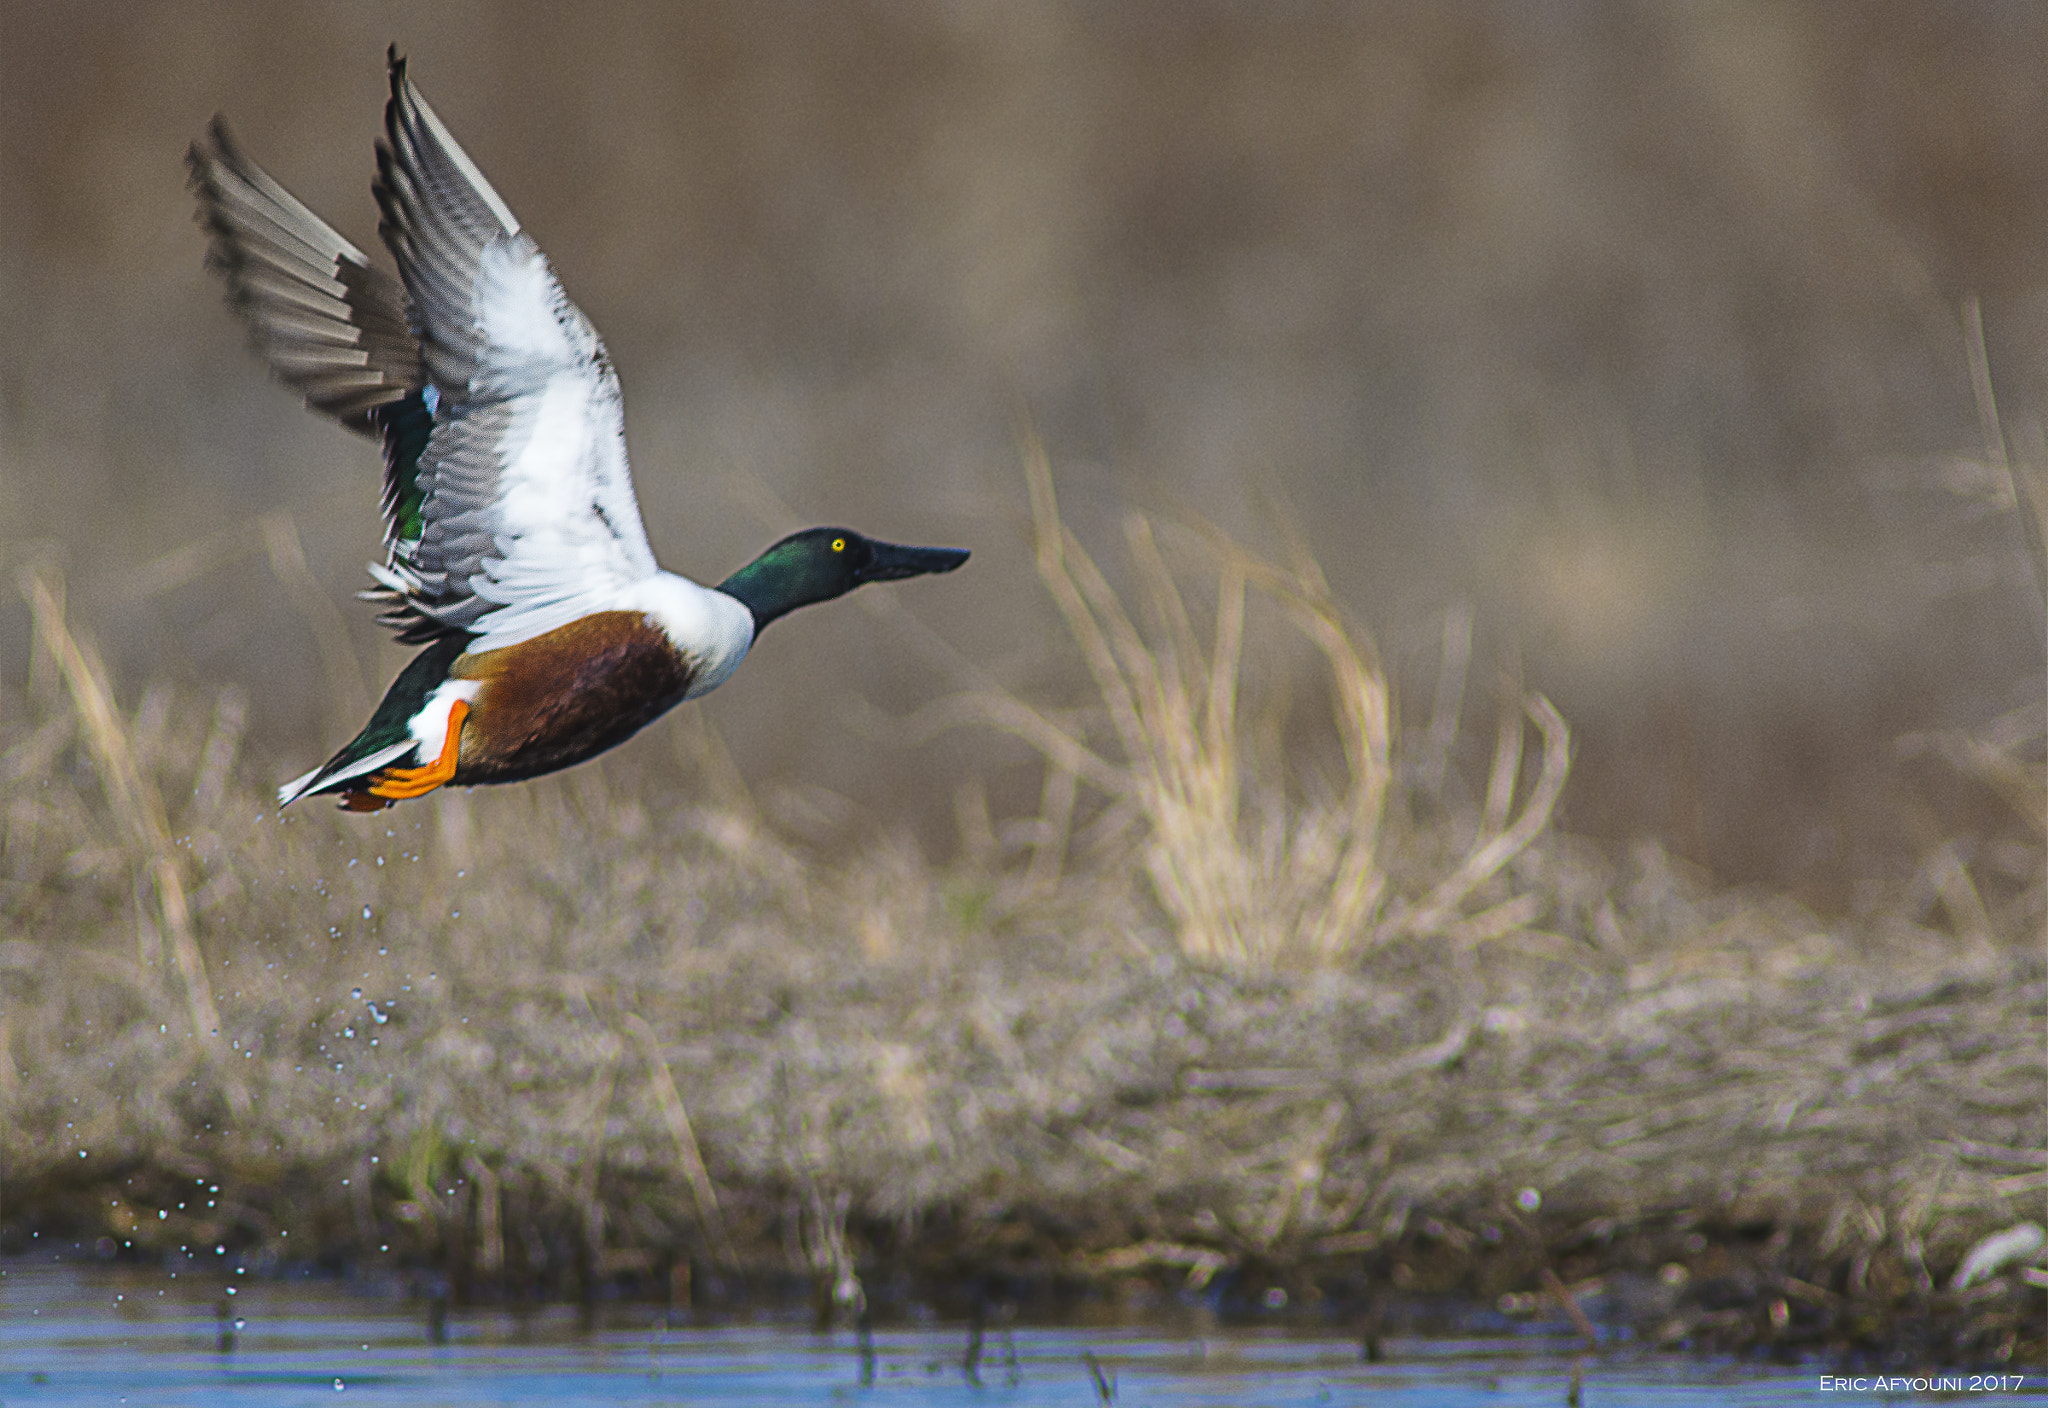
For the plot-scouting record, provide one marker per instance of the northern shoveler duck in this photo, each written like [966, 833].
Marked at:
[514, 548]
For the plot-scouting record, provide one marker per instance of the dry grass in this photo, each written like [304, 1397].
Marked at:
[1252, 867]
[578, 1031]
[2006, 756]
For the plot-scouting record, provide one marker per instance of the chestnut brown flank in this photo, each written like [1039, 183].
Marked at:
[557, 699]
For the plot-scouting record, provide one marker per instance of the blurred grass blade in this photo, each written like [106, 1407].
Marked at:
[134, 803]
[687, 1152]
[350, 701]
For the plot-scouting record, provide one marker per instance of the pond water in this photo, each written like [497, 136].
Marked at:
[72, 1334]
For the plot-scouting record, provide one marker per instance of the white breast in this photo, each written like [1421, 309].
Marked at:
[712, 629]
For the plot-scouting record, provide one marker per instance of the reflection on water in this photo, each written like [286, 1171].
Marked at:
[106, 1335]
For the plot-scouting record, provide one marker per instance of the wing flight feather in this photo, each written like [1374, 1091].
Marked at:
[528, 517]
[509, 505]
[332, 326]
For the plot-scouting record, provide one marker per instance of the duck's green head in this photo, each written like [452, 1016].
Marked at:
[821, 563]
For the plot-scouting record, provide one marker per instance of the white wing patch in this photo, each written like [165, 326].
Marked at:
[564, 545]
[529, 515]
[519, 309]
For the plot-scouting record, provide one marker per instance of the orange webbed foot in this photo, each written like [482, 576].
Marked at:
[390, 785]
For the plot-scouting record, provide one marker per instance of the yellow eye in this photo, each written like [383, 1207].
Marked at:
[839, 545]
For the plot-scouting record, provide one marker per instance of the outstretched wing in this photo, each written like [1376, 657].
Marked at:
[527, 518]
[332, 327]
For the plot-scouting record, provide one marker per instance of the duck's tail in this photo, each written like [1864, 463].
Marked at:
[387, 738]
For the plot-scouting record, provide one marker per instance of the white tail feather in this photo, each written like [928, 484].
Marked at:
[327, 772]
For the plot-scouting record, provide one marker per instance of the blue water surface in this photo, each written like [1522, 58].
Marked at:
[72, 1334]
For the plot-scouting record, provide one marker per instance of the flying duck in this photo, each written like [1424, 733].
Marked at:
[514, 550]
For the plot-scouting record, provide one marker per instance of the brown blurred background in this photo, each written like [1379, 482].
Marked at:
[1633, 328]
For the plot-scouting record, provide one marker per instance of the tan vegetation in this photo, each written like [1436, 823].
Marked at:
[1330, 1034]
[1248, 872]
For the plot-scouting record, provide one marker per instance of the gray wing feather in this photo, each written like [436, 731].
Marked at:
[461, 518]
[529, 513]
[331, 326]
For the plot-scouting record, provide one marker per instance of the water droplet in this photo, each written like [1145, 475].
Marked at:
[240, 1323]
[338, 1385]
[349, 1032]
[356, 994]
[366, 911]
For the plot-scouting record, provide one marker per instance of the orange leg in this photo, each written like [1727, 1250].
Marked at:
[398, 784]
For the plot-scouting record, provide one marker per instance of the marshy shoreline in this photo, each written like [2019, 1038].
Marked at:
[1689, 1281]
[1202, 1027]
